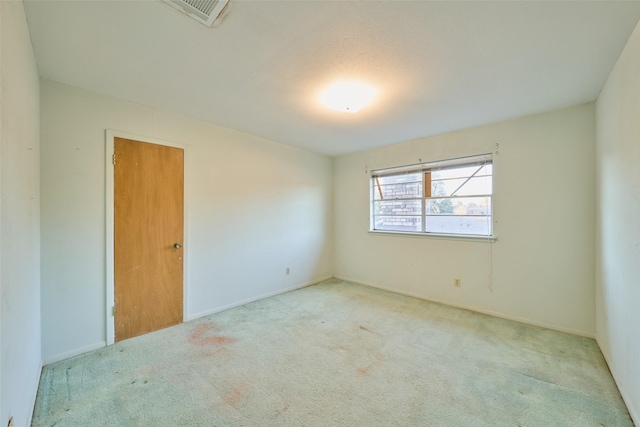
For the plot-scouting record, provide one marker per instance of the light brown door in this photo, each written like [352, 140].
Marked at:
[148, 224]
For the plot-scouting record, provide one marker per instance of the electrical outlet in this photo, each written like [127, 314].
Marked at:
[456, 282]
[287, 271]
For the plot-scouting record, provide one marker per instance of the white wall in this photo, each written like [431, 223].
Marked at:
[541, 267]
[20, 221]
[254, 206]
[618, 234]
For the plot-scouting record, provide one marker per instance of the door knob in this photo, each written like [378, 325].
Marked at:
[177, 245]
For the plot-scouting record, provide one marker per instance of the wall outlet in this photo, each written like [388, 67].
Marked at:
[287, 271]
[456, 282]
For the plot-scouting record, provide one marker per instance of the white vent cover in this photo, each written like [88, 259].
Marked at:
[203, 11]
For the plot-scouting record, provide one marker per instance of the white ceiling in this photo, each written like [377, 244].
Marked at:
[439, 66]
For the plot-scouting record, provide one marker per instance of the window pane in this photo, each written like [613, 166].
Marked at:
[457, 200]
[475, 185]
[397, 179]
[476, 225]
[462, 172]
[398, 223]
[459, 206]
[397, 207]
[397, 191]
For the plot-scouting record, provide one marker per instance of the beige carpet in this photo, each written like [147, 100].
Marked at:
[337, 354]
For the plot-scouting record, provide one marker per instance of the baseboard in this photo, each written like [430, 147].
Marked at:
[633, 411]
[253, 299]
[471, 308]
[75, 352]
[35, 395]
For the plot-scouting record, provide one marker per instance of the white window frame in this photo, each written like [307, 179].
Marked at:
[423, 168]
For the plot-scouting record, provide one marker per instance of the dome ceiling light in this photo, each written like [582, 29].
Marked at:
[348, 97]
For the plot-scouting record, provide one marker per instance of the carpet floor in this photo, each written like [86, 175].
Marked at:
[337, 354]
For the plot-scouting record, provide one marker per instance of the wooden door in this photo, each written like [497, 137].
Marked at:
[148, 228]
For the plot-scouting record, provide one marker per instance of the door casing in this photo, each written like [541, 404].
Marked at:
[110, 136]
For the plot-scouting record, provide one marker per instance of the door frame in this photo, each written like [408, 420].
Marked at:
[110, 136]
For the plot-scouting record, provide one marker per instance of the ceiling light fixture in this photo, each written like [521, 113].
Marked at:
[348, 97]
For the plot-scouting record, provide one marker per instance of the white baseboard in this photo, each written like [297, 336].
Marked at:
[67, 354]
[35, 395]
[253, 299]
[633, 411]
[471, 308]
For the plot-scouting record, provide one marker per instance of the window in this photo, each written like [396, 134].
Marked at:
[446, 197]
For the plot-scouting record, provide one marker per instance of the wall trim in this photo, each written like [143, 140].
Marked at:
[110, 135]
[253, 299]
[471, 308]
[75, 352]
[633, 411]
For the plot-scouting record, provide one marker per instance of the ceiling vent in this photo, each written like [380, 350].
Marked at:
[203, 11]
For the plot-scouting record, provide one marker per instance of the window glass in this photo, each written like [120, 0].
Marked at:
[459, 206]
[398, 207]
[461, 186]
[397, 191]
[462, 171]
[396, 223]
[440, 199]
[471, 225]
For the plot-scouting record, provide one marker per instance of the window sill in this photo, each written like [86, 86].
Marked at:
[468, 237]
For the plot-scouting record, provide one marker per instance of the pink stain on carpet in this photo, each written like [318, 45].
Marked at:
[363, 371]
[367, 369]
[200, 336]
[237, 395]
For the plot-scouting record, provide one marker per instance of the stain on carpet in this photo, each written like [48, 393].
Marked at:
[237, 395]
[201, 336]
[361, 372]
